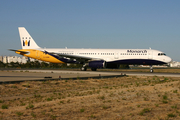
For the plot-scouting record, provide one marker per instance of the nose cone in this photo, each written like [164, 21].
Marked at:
[168, 60]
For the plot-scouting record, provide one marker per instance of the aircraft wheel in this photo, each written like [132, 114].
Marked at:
[83, 69]
[93, 69]
[151, 69]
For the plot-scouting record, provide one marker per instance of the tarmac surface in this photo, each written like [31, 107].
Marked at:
[25, 75]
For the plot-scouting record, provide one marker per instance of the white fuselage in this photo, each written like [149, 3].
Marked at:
[111, 55]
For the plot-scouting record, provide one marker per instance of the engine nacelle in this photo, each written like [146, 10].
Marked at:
[97, 64]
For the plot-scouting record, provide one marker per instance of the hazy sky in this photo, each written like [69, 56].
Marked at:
[117, 24]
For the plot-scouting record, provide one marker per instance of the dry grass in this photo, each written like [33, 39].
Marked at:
[125, 98]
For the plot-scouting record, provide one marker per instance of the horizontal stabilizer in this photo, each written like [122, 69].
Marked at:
[22, 52]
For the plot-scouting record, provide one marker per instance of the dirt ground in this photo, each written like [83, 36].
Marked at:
[123, 98]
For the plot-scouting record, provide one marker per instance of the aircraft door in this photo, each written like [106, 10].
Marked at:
[150, 54]
[76, 53]
[116, 55]
[37, 54]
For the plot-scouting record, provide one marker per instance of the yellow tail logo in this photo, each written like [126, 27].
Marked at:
[26, 43]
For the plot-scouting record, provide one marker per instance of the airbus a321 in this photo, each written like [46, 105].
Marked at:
[93, 58]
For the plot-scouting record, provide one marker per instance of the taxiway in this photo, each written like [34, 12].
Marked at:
[24, 75]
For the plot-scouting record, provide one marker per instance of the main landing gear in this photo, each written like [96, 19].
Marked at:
[151, 69]
[84, 68]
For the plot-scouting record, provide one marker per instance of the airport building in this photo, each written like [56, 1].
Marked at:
[4, 59]
[14, 59]
[1, 58]
[175, 64]
[9, 59]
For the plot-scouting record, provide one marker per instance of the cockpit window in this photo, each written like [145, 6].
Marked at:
[161, 54]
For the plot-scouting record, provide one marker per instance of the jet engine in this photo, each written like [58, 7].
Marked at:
[97, 64]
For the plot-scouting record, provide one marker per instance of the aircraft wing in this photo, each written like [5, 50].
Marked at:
[77, 57]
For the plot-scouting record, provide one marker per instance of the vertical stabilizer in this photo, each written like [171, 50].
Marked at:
[27, 41]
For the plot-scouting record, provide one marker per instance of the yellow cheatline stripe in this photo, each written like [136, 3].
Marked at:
[37, 54]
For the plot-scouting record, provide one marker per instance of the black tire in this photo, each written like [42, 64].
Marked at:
[83, 69]
[93, 69]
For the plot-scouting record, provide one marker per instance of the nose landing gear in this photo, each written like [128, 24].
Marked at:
[84, 68]
[151, 69]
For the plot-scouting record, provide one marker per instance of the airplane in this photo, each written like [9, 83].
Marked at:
[93, 58]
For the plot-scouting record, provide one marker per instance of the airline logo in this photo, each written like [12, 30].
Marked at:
[136, 51]
[26, 42]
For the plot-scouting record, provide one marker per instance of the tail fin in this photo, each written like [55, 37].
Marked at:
[27, 41]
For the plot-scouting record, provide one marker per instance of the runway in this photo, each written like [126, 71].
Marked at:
[96, 73]
[25, 75]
